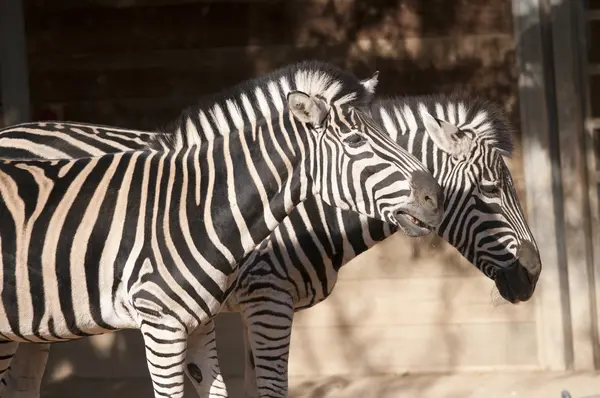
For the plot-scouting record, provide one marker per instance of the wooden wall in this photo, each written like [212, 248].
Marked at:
[136, 62]
[409, 305]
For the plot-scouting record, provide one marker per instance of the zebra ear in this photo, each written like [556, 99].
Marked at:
[306, 108]
[447, 136]
[371, 83]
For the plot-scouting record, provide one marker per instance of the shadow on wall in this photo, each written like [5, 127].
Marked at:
[419, 48]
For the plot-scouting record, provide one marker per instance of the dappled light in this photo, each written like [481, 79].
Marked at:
[409, 308]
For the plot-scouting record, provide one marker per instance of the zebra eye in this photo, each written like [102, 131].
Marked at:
[493, 189]
[459, 134]
[355, 140]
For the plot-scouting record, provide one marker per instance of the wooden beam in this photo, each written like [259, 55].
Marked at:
[13, 63]
[542, 181]
[591, 136]
[568, 75]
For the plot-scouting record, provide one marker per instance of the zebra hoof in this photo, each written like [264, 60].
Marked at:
[195, 372]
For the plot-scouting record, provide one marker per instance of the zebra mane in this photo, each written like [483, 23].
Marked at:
[212, 114]
[459, 109]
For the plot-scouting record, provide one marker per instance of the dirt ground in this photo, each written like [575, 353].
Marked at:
[465, 385]
[469, 385]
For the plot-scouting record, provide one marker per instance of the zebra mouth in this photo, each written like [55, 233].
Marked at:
[411, 225]
[416, 221]
[505, 289]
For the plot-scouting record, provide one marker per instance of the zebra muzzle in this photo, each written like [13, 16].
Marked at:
[411, 225]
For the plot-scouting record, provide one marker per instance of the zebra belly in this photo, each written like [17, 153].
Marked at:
[34, 306]
[47, 334]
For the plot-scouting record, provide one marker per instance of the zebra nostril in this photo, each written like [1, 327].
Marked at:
[430, 200]
[529, 258]
[426, 191]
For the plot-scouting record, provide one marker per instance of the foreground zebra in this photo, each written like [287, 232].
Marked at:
[150, 239]
[463, 148]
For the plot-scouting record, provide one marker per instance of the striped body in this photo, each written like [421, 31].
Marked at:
[102, 225]
[204, 201]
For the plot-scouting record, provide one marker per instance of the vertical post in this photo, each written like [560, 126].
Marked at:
[14, 79]
[577, 228]
[542, 179]
[591, 137]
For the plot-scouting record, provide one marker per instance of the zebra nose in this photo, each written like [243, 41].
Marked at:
[429, 195]
[430, 200]
[433, 199]
[529, 258]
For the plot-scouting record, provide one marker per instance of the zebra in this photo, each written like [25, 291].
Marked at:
[460, 139]
[133, 255]
[463, 145]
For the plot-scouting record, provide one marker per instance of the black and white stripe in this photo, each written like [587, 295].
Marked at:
[297, 266]
[462, 141]
[150, 239]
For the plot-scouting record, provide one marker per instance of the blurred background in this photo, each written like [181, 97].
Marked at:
[409, 317]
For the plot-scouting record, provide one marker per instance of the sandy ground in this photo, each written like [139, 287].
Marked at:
[466, 385]
[505, 385]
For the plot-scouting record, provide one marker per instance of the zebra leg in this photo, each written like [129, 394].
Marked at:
[269, 325]
[202, 363]
[24, 377]
[250, 387]
[7, 352]
[165, 355]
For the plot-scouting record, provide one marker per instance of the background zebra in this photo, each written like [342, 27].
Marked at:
[483, 220]
[127, 209]
[462, 141]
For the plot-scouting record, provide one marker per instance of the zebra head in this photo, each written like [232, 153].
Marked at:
[358, 166]
[483, 220]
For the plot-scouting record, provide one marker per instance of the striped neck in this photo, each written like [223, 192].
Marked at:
[258, 189]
